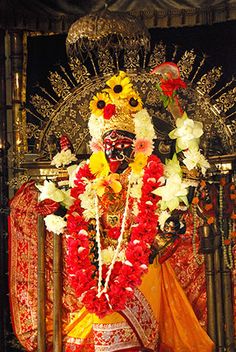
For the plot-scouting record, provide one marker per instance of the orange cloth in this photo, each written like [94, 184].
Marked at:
[179, 329]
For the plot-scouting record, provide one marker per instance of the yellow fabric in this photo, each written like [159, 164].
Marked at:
[179, 327]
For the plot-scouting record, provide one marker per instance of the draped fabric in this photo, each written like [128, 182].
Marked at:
[23, 259]
[23, 290]
[160, 314]
[57, 16]
[190, 275]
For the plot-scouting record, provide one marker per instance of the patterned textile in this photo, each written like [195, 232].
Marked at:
[23, 285]
[191, 276]
[160, 315]
[23, 271]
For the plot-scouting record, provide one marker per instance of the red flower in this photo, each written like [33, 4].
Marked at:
[75, 208]
[114, 233]
[137, 253]
[47, 206]
[76, 191]
[75, 223]
[169, 86]
[117, 291]
[84, 171]
[109, 111]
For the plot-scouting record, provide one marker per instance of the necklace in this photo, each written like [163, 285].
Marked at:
[120, 238]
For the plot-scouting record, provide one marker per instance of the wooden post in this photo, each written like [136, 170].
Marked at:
[207, 247]
[4, 303]
[228, 305]
[41, 286]
[57, 293]
[218, 288]
[18, 95]
[228, 309]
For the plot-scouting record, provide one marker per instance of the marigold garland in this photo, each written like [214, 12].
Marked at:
[125, 276]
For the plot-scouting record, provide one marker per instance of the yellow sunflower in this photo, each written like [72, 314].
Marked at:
[98, 164]
[119, 86]
[98, 103]
[134, 102]
[140, 161]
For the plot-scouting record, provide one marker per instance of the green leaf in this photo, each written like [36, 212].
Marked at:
[166, 101]
[158, 87]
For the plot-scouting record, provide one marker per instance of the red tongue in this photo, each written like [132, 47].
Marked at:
[114, 165]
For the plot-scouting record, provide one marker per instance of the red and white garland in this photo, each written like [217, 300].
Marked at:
[120, 277]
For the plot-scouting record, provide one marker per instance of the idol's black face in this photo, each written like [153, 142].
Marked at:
[118, 147]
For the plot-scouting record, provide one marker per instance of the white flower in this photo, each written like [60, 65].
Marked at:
[143, 125]
[68, 200]
[87, 202]
[89, 214]
[95, 125]
[108, 254]
[174, 192]
[55, 223]
[135, 210]
[203, 164]
[136, 183]
[162, 217]
[186, 133]
[50, 191]
[72, 171]
[194, 158]
[65, 157]
[172, 167]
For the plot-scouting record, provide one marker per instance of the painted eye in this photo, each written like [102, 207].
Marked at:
[108, 146]
[122, 145]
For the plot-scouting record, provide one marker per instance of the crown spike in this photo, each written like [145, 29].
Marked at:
[199, 68]
[175, 52]
[208, 81]
[42, 105]
[226, 101]
[230, 115]
[48, 94]
[59, 84]
[158, 56]
[33, 114]
[93, 64]
[223, 88]
[66, 75]
[79, 71]
[186, 63]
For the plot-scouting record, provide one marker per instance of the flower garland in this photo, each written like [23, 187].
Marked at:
[187, 135]
[121, 277]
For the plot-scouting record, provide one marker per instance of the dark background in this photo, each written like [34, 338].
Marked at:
[217, 42]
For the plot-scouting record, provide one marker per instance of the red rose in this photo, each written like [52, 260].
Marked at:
[137, 253]
[109, 111]
[47, 206]
[76, 191]
[84, 171]
[75, 223]
[169, 86]
[114, 233]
